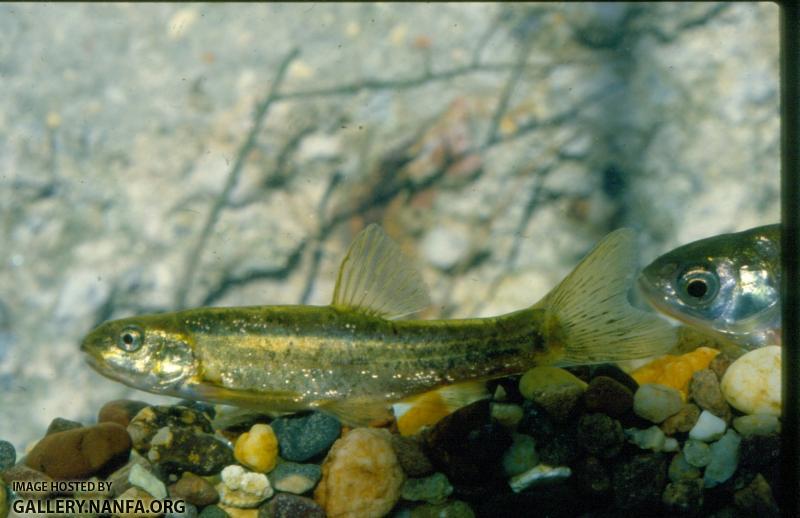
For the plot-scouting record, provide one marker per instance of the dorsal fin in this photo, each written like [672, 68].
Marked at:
[377, 279]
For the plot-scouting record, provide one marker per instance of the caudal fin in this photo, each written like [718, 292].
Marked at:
[590, 308]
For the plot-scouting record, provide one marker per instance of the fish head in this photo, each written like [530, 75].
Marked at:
[150, 353]
[727, 284]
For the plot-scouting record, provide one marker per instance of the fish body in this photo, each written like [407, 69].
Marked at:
[353, 360]
[728, 285]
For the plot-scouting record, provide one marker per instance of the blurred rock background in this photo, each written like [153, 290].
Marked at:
[161, 156]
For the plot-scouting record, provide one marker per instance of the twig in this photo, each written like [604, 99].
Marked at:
[508, 90]
[196, 251]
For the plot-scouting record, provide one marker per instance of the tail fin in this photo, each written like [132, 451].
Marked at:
[590, 308]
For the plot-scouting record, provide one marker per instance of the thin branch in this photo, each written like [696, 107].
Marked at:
[508, 90]
[193, 259]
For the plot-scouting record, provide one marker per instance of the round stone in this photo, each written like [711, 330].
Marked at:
[8, 455]
[656, 402]
[291, 477]
[258, 448]
[752, 384]
[303, 437]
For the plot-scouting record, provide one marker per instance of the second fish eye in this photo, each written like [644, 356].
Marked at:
[697, 285]
[130, 339]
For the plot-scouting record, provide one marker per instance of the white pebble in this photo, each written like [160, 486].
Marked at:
[145, 480]
[752, 383]
[650, 439]
[708, 427]
[537, 475]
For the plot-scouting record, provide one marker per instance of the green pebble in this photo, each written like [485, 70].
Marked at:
[213, 511]
[291, 477]
[679, 469]
[541, 379]
[452, 509]
[697, 453]
[521, 456]
[433, 489]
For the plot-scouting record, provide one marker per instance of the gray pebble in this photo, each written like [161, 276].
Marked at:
[8, 455]
[304, 437]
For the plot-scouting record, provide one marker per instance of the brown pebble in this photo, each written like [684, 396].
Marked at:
[705, 391]
[120, 411]
[683, 421]
[410, 456]
[194, 489]
[290, 506]
[720, 364]
[608, 396]
[81, 453]
[22, 473]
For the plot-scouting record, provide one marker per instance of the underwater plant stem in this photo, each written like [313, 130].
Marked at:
[195, 253]
[790, 256]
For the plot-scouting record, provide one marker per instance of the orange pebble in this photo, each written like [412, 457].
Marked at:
[675, 371]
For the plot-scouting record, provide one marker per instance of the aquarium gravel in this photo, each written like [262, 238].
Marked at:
[608, 457]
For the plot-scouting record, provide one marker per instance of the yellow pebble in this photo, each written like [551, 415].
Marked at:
[541, 379]
[426, 410]
[257, 449]
[235, 512]
[675, 371]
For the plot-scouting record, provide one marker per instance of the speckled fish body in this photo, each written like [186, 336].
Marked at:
[727, 284]
[352, 359]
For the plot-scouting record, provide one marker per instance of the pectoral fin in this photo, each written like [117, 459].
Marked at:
[377, 279]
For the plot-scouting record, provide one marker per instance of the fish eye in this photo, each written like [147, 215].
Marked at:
[130, 338]
[698, 285]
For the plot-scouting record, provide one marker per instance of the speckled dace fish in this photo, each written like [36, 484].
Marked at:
[352, 360]
[727, 284]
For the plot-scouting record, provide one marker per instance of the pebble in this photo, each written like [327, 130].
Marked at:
[120, 478]
[683, 421]
[136, 494]
[451, 509]
[81, 452]
[433, 489]
[151, 419]
[705, 391]
[562, 449]
[556, 390]
[521, 456]
[757, 424]
[724, 459]
[291, 477]
[608, 396]
[213, 511]
[143, 479]
[257, 449]
[237, 512]
[59, 424]
[507, 414]
[243, 489]
[538, 475]
[697, 453]
[189, 511]
[360, 475]
[684, 498]
[708, 427]
[656, 402]
[302, 437]
[22, 473]
[3, 500]
[752, 384]
[195, 490]
[639, 481]
[679, 469]
[8, 455]
[756, 499]
[675, 371]
[290, 506]
[468, 446]
[120, 411]
[411, 457]
[182, 449]
[600, 435]
[719, 365]
[648, 439]
[611, 370]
